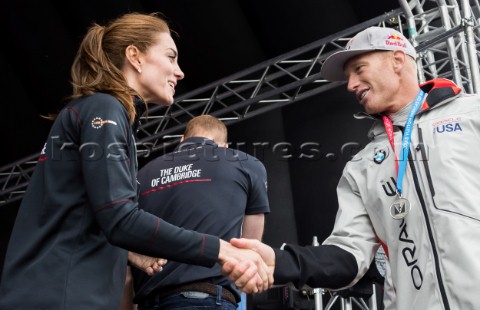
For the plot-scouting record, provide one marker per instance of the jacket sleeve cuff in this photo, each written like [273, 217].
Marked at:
[210, 250]
[284, 272]
[325, 266]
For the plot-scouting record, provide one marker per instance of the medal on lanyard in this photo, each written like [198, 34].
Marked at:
[401, 206]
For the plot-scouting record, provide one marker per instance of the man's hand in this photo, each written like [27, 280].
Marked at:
[239, 272]
[242, 272]
[256, 278]
[149, 265]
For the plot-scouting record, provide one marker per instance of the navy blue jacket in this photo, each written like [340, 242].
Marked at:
[80, 209]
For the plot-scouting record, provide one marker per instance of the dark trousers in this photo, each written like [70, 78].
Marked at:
[189, 300]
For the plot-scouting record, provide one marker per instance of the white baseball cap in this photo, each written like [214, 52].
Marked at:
[370, 39]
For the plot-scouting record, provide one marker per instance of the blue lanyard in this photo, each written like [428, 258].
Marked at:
[407, 135]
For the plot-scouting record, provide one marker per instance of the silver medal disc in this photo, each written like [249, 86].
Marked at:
[400, 208]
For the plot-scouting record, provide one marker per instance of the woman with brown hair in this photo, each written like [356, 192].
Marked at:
[80, 211]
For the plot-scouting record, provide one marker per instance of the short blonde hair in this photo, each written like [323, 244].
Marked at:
[207, 125]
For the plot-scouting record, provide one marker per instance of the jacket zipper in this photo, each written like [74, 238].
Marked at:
[425, 214]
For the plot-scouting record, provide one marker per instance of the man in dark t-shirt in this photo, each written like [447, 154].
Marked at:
[204, 186]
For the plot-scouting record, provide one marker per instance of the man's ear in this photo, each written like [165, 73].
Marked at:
[133, 57]
[399, 59]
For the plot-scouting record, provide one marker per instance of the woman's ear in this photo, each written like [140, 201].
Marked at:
[133, 57]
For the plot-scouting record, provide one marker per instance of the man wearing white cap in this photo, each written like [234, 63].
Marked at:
[414, 189]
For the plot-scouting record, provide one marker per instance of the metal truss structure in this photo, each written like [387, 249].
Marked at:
[444, 32]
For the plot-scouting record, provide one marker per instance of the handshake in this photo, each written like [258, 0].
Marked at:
[249, 263]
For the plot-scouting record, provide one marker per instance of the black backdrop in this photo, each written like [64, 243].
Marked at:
[217, 38]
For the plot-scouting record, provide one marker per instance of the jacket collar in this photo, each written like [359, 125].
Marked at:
[140, 108]
[440, 91]
[194, 142]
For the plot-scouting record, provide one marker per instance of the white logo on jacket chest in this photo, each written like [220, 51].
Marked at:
[98, 122]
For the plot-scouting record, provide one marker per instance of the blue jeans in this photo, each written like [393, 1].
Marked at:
[189, 301]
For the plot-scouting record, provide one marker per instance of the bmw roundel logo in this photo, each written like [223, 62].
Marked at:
[379, 156]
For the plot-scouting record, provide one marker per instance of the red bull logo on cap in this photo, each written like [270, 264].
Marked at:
[395, 40]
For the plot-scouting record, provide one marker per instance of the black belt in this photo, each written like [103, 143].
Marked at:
[203, 287]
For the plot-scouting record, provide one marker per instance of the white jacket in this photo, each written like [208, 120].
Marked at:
[434, 252]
